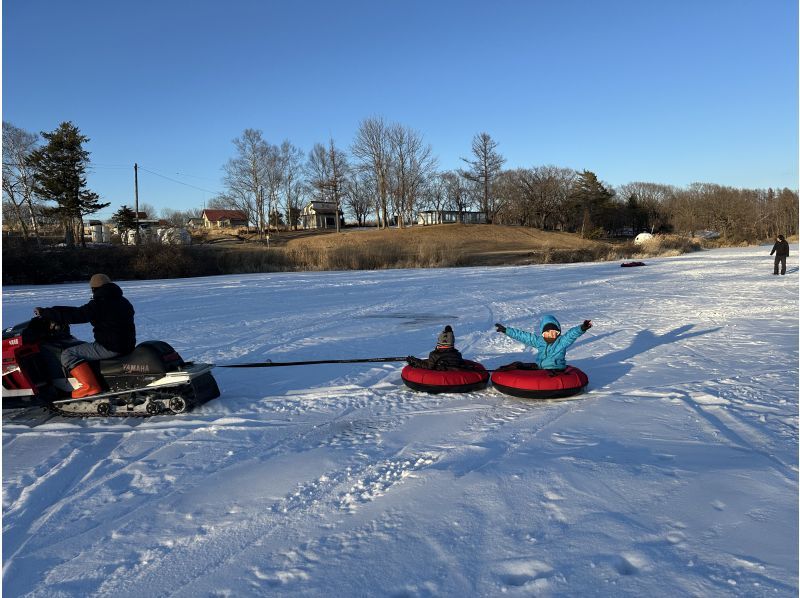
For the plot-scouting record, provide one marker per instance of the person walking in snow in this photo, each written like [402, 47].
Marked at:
[551, 346]
[444, 357]
[111, 316]
[781, 251]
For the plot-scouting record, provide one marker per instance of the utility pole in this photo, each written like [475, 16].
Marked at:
[136, 199]
[335, 183]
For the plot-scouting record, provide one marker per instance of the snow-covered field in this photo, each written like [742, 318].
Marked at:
[675, 475]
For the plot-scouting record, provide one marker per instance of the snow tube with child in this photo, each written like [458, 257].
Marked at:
[435, 381]
[539, 384]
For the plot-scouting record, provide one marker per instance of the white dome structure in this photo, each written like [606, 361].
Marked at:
[642, 237]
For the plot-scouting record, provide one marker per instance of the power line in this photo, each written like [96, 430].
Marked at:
[177, 181]
[192, 176]
[101, 165]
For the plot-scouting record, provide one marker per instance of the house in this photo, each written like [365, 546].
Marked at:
[448, 216]
[320, 214]
[224, 218]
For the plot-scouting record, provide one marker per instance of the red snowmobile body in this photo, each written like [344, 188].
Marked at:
[153, 379]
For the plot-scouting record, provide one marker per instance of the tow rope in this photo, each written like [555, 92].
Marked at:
[276, 364]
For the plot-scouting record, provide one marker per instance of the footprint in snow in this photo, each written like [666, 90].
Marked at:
[518, 573]
[629, 563]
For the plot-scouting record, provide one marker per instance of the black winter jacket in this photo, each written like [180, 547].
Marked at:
[110, 314]
[780, 249]
[442, 359]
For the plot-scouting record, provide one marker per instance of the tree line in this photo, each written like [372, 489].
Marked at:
[386, 176]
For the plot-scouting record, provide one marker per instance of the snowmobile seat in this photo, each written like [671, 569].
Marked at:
[150, 357]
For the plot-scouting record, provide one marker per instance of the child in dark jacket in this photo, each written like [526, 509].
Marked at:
[551, 345]
[444, 357]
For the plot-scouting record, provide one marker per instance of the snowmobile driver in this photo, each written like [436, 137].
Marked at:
[111, 316]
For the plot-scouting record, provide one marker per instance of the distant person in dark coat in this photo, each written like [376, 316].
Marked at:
[444, 357]
[111, 316]
[781, 251]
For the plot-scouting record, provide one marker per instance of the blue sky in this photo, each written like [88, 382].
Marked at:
[668, 92]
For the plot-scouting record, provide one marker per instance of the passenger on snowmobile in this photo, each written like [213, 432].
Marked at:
[444, 357]
[551, 346]
[111, 316]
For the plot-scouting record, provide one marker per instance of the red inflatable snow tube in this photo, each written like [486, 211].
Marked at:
[435, 381]
[540, 384]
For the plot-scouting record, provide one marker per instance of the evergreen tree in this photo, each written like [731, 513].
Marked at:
[590, 201]
[124, 219]
[60, 176]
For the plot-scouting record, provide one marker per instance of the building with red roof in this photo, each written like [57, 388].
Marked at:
[224, 218]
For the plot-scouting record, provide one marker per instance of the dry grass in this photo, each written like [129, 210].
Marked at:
[446, 245]
[667, 245]
[441, 245]
[417, 247]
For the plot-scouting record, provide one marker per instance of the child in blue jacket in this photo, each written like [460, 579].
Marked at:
[551, 346]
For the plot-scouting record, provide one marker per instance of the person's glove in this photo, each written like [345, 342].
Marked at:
[586, 325]
[412, 361]
[500, 328]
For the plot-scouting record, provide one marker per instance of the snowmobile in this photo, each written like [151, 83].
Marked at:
[151, 380]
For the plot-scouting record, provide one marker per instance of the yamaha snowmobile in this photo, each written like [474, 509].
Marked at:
[151, 380]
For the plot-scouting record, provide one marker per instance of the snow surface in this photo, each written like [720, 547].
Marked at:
[676, 474]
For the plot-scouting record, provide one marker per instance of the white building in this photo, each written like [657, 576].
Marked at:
[450, 216]
[320, 214]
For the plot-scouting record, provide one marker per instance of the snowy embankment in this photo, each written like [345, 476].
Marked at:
[676, 474]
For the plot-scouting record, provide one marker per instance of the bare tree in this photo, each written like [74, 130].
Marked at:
[651, 199]
[435, 194]
[485, 165]
[292, 188]
[546, 190]
[179, 218]
[358, 196]
[411, 164]
[18, 180]
[459, 194]
[371, 152]
[244, 178]
[318, 172]
[327, 169]
[148, 209]
[274, 172]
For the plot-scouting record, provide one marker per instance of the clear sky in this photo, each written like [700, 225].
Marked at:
[672, 92]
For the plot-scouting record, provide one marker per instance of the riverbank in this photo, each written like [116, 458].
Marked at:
[352, 249]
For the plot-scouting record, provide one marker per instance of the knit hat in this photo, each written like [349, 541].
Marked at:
[550, 326]
[98, 280]
[781, 237]
[446, 339]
